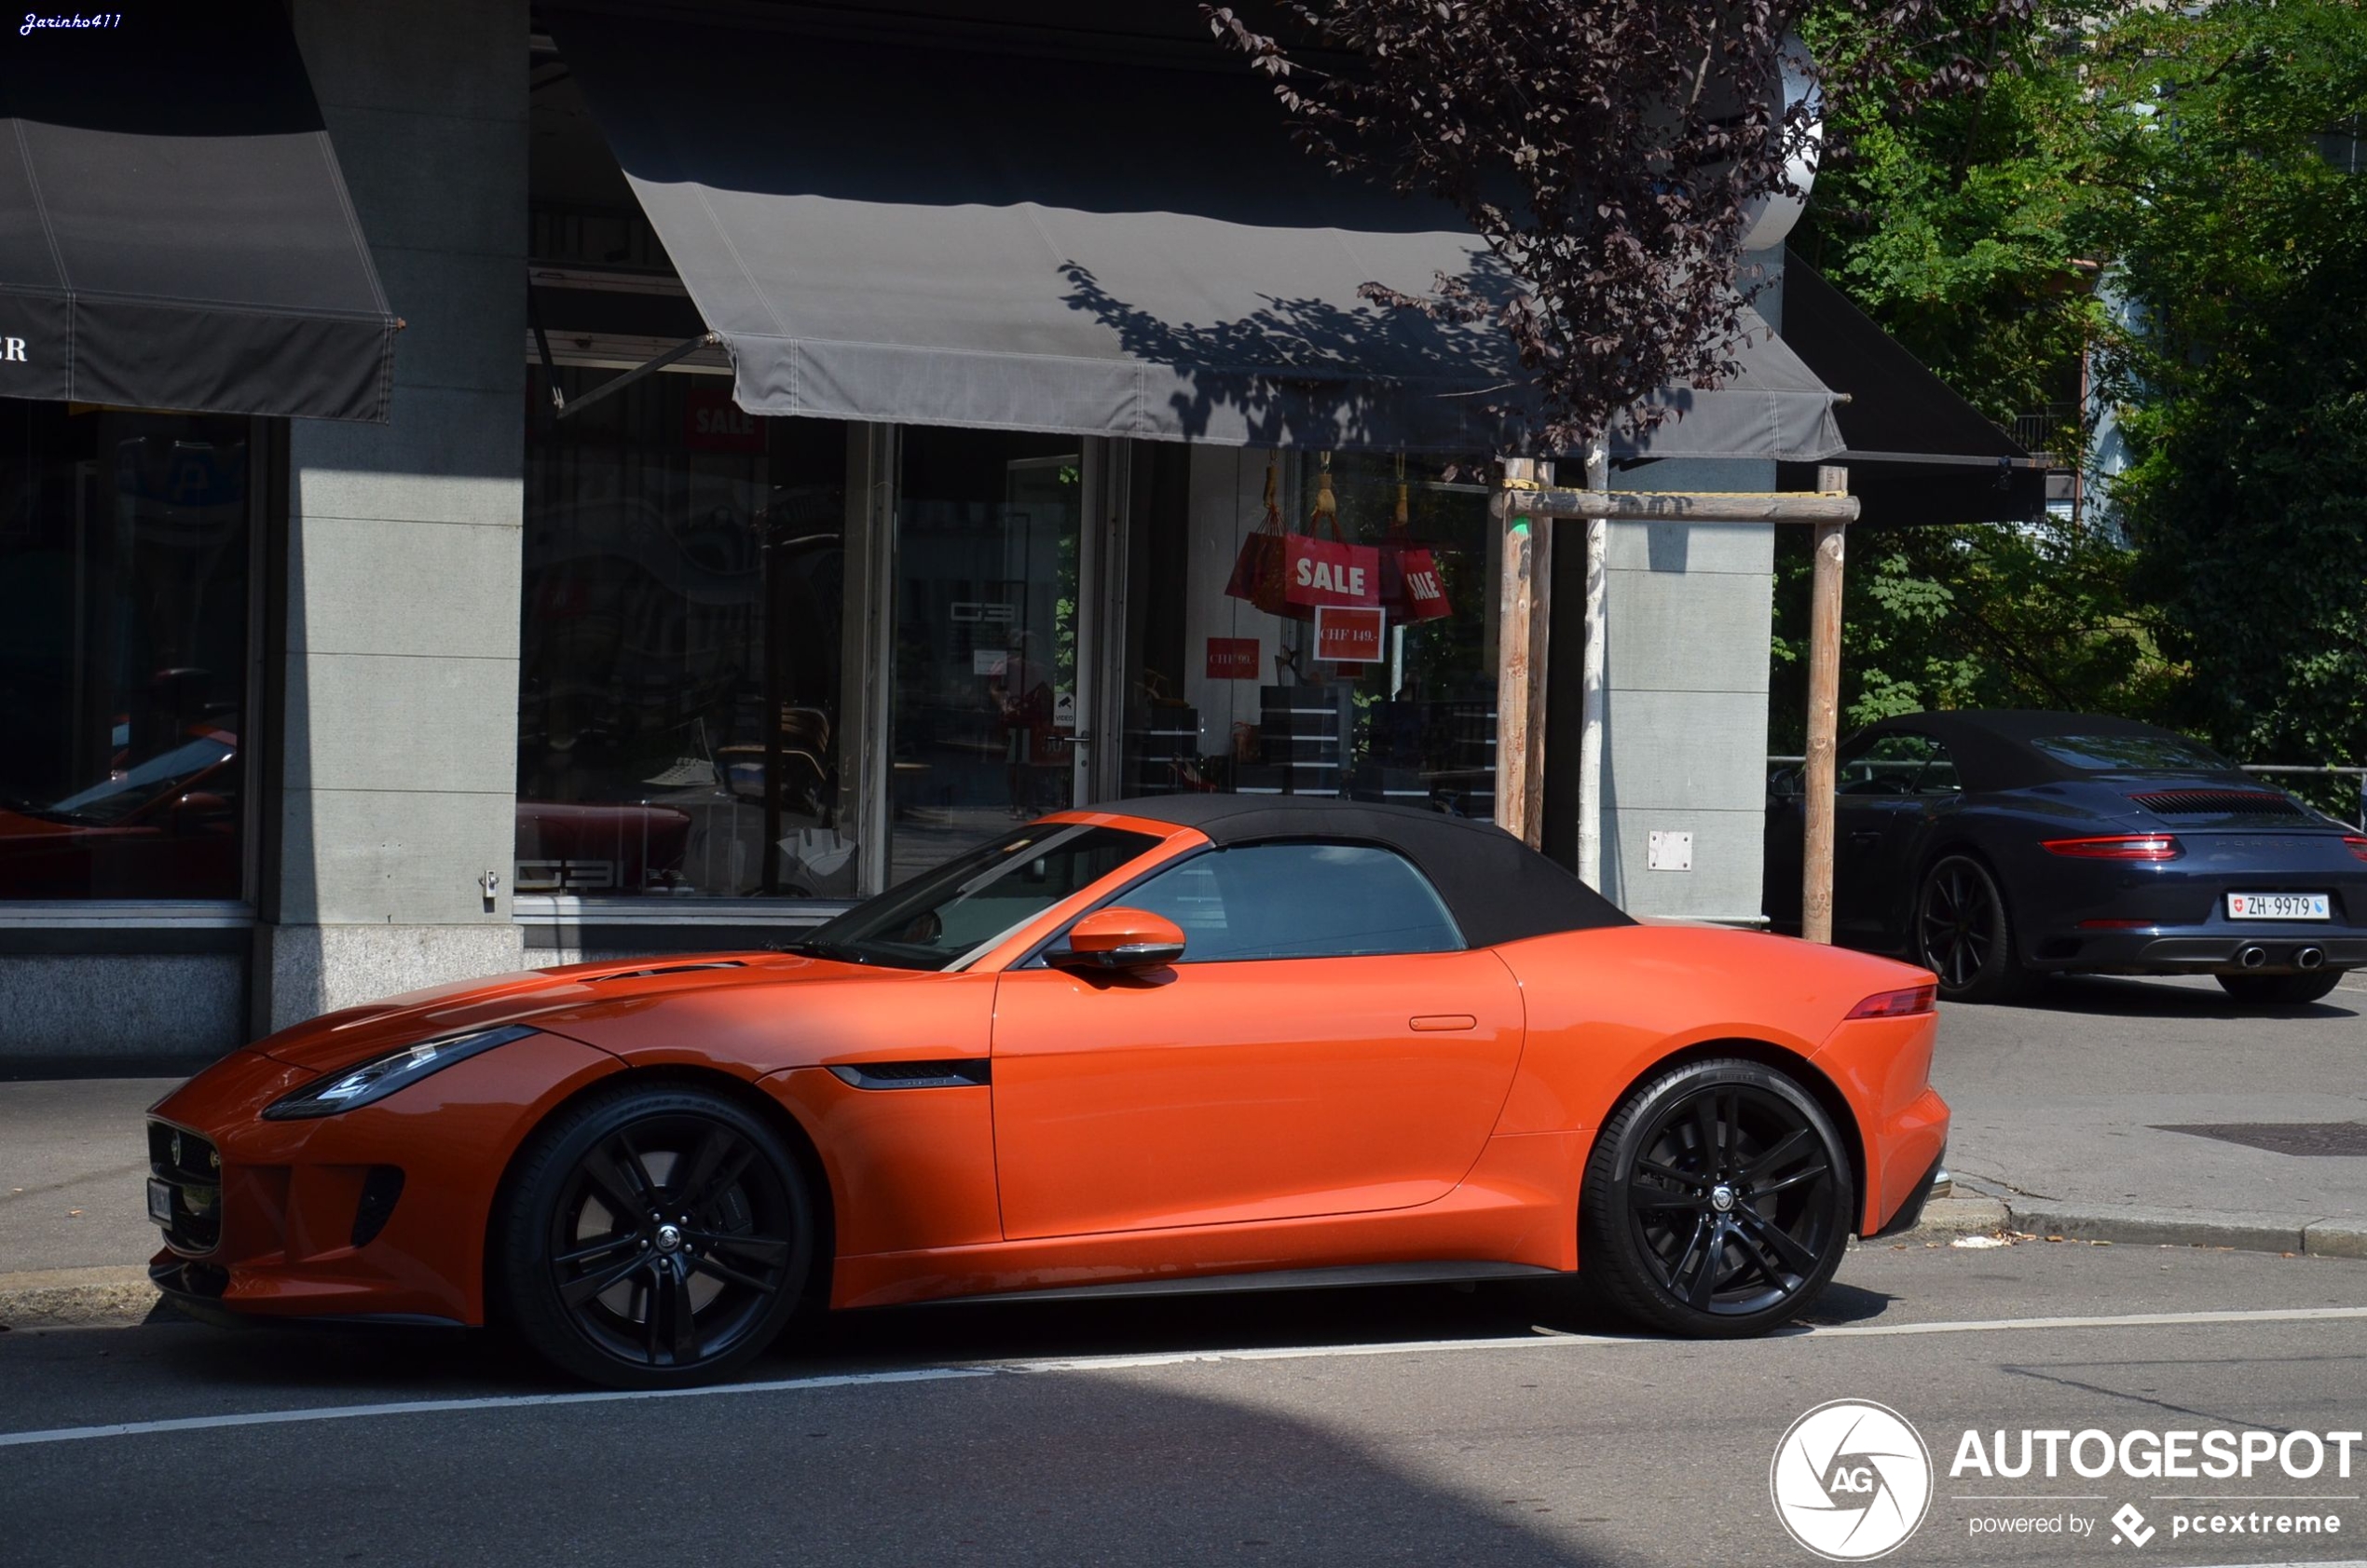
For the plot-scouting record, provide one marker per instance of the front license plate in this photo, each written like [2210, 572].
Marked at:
[161, 1202]
[2280, 906]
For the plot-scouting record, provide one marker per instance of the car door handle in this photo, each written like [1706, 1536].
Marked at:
[1871, 838]
[1432, 1023]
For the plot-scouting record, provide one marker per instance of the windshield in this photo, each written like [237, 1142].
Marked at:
[936, 920]
[118, 798]
[2113, 754]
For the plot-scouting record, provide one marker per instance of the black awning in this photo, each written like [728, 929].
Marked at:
[1917, 453]
[901, 231]
[173, 230]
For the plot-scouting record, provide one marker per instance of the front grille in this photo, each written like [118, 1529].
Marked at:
[2218, 803]
[193, 1168]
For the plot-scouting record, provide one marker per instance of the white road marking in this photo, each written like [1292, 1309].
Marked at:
[491, 1402]
[1540, 1339]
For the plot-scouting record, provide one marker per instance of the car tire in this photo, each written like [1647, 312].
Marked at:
[2280, 990]
[652, 1236]
[1963, 934]
[1717, 1201]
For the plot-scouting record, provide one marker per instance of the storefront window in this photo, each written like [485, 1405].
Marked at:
[1231, 690]
[125, 546]
[679, 691]
[983, 711]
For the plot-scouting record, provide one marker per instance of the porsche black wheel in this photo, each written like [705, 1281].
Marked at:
[1717, 1204]
[653, 1238]
[2279, 990]
[1962, 932]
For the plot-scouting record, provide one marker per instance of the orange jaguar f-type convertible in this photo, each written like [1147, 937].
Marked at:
[1192, 1043]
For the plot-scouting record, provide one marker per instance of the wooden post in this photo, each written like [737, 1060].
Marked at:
[1824, 718]
[1519, 713]
[1591, 679]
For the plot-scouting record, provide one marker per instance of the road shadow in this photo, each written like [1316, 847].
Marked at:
[2126, 998]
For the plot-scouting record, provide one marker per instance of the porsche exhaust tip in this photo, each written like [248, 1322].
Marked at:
[2252, 956]
[2310, 958]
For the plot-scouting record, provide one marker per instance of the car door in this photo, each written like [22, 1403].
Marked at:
[1325, 1045]
[1875, 812]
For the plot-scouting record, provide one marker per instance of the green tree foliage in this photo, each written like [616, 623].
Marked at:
[2179, 154]
[2244, 248]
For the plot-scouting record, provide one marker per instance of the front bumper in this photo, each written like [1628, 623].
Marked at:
[376, 1214]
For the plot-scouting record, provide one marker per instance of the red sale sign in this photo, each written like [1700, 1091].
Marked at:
[1349, 635]
[1232, 659]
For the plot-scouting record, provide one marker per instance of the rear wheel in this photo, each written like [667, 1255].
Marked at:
[1717, 1201]
[2280, 990]
[653, 1238]
[1962, 932]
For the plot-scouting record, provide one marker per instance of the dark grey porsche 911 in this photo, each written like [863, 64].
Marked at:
[1994, 846]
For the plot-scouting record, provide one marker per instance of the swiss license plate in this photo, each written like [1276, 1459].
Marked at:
[161, 1202]
[2278, 907]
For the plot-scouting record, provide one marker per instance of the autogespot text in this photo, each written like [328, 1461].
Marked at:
[2217, 1455]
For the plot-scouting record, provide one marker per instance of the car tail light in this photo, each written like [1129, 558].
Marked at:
[2355, 844]
[1897, 1005]
[2133, 846]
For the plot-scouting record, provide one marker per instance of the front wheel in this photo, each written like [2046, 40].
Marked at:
[653, 1237]
[1717, 1201]
[1962, 934]
[2280, 990]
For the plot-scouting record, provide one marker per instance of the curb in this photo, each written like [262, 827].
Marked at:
[75, 1298]
[2195, 1227]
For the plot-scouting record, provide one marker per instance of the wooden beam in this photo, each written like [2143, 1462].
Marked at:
[1679, 506]
[1824, 719]
[1519, 717]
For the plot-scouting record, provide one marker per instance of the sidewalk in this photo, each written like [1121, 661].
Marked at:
[2058, 1105]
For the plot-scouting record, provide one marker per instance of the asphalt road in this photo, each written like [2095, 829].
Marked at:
[1422, 1426]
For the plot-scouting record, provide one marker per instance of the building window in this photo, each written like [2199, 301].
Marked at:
[126, 545]
[983, 710]
[680, 663]
[1230, 688]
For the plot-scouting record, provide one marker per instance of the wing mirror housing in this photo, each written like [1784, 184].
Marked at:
[1119, 938]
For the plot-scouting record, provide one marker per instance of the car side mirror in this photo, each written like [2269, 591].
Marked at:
[1119, 938]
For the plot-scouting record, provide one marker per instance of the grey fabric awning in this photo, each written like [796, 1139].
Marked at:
[1917, 453]
[1124, 247]
[173, 230]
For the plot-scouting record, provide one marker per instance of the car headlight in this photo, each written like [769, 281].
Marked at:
[381, 1076]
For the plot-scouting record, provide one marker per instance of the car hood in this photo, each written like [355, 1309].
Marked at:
[560, 997]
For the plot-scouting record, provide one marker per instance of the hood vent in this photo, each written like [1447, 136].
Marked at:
[2218, 803]
[657, 969]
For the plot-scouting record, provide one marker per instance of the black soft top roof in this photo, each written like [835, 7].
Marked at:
[1498, 889]
[1992, 749]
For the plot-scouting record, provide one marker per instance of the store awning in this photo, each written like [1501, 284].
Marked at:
[173, 230]
[1917, 453]
[1119, 246]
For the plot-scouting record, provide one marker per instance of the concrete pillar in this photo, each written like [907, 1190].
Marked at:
[394, 643]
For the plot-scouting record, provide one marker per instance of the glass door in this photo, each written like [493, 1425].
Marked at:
[989, 638]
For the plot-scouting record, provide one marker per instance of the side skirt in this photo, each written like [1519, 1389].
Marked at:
[1446, 1271]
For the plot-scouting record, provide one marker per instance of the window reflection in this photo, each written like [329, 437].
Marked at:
[124, 552]
[680, 661]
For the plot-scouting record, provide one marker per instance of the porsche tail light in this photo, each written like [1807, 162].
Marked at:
[1897, 1005]
[2130, 846]
[2356, 844]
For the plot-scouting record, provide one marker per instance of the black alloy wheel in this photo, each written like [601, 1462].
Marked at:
[1962, 934]
[1717, 1201]
[655, 1238]
[2280, 990]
